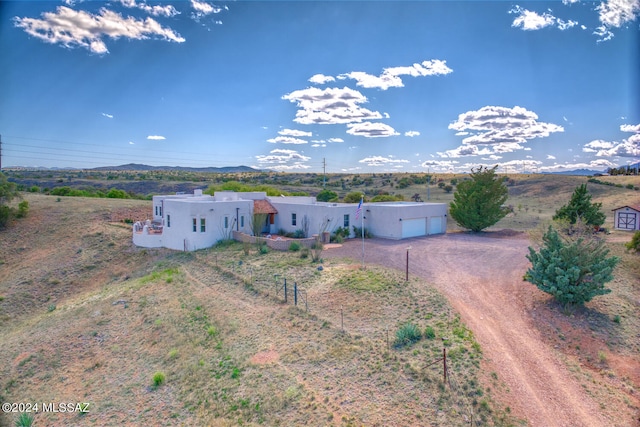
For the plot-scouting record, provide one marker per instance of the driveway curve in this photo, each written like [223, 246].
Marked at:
[481, 276]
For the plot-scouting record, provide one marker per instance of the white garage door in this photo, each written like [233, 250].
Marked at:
[435, 226]
[414, 227]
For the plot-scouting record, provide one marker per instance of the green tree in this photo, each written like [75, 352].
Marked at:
[327, 196]
[478, 202]
[353, 197]
[580, 206]
[573, 272]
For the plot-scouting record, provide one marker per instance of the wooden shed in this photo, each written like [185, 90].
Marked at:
[627, 218]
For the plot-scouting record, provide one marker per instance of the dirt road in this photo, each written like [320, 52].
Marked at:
[481, 275]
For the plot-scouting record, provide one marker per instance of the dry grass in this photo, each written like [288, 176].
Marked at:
[206, 321]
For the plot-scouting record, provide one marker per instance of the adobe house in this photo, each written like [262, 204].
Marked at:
[189, 222]
[627, 218]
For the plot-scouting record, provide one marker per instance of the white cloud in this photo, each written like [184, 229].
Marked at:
[551, 157]
[156, 137]
[321, 79]
[598, 164]
[157, 10]
[71, 28]
[381, 161]
[281, 159]
[629, 147]
[530, 21]
[335, 140]
[615, 14]
[286, 140]
[109, 116]
[630, 128]
[204, 8]
[439, 165]
[567, 2]
[492, 157]
[330, 106]
[412, 133]
[294, 132]
[390, 77]
[498, 130]
[317, 144]
[371, 130]
[132, 143]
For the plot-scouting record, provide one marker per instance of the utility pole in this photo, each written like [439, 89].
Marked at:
[324, 172]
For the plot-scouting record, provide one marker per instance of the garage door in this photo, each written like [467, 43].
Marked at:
[414, 227]
[435, 226]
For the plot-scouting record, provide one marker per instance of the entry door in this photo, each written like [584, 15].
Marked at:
[627, 220]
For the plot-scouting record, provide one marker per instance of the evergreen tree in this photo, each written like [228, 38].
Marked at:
[580, 206]
[478, 202]
[572, 272]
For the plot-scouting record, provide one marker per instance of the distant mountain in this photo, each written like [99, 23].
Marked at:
[578, 172]
[140, 167]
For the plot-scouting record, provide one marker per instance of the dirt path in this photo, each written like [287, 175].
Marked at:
[482, 278]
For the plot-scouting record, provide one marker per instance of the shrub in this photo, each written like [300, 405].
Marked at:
[158, 379]
[294, 246]
[407, 334]
[264, 250]
[25, 419]
[429, 333]
[358, 232]
[304, 253]
[299, 234]
[634, 244]
[23, 209]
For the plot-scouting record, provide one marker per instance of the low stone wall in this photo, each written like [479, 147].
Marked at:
[278, 245]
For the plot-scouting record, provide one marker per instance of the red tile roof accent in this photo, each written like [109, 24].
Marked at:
[263, 207]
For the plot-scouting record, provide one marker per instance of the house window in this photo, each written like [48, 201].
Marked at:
[168, 220]
[346, 221]
[242, 221]
[157, 211]
[293, 219]
[194, 222]
[203, 225]
[226, 222]
[160, 210]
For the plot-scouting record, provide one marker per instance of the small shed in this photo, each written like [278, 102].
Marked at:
[627, 218]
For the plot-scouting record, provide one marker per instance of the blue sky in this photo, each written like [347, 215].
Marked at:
[370, 86]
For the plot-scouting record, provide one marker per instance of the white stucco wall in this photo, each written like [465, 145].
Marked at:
[179, 215]
[318, 214]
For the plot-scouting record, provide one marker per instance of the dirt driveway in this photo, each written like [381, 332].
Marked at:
[481, 275]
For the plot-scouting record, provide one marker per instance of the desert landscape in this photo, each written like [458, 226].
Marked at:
[159, 337]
